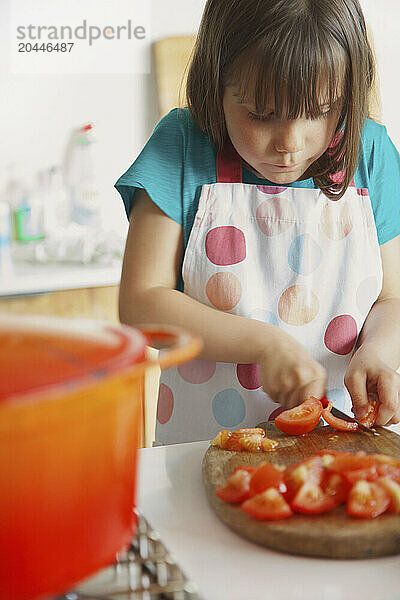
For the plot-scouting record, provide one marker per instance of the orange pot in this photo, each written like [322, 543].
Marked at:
[70, 419]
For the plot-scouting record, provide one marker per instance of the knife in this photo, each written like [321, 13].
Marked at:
[338, 413]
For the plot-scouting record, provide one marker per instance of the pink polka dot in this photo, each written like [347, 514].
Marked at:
[341, 334]
[275, 215]
[197, 371]
[269, 189]
[224, 290]
[226, 245]
[165, 404]
[362, 191]
[275, 413]
[249, 376]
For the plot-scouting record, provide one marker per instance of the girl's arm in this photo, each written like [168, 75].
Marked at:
[374, 364]
[152, 262]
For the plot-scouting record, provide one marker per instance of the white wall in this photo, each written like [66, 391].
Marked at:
[37, 112]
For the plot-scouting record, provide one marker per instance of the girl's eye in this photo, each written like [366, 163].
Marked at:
[255, 117]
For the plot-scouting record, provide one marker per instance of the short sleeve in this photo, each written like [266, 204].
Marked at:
[384, 185]
[159, 168]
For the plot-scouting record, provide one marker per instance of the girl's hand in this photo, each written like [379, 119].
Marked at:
[368, 376]
[289, 374]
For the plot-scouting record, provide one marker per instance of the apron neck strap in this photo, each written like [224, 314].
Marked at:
[229, 164]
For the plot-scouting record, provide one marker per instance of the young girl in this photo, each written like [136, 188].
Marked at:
[265, 217]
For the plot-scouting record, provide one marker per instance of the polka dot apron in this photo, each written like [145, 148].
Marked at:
[289, 257]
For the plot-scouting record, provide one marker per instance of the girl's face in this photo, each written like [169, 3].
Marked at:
[280, 151]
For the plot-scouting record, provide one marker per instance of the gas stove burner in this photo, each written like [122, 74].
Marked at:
[146, 571]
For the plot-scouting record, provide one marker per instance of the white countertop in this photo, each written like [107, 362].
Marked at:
[41, 278]
[226, 566]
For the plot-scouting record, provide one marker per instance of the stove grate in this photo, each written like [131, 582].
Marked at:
[145, 571]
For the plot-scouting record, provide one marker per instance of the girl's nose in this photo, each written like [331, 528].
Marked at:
[288, 137]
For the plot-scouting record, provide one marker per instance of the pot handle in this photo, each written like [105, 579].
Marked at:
[176, 345]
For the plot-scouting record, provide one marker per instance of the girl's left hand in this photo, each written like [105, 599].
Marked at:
[367, 375]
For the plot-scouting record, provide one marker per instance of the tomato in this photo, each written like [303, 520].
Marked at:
[249, 431]
[236, 488]
[367, 500]
[266, 476]
[352, 462]
[250, 469]
[339, 424]
[312, 500]
[300, 419]
[221, 438]
[308, 470]
[389, 471]
[387, 466]
[386, 459]
[367, 474]
[251, 443]
[393, 490]
[235, 442]
[336, 486]
[372, 412]
[328, 456]
[324, 401]
[270, 505]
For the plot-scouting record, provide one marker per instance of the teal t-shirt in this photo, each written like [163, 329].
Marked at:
[179, 159]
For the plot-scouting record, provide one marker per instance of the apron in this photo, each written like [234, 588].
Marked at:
[287, 256]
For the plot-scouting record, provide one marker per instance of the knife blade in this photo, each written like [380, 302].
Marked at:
[338, 413]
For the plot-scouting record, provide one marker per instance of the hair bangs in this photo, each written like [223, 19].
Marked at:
[294, 79]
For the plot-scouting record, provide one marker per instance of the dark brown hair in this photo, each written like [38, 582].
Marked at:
[290, 52]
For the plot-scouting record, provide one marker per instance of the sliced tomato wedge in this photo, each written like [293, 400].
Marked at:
[270, 505]
[266, 476]
[339, 424]
[309, 470]
[352, 462]
[221, 438]
[300, 419]
[335, 486]
[312, 500]
[235, 442]
[393, 490]
[367, 474]
[367, 500]
[236, 488]
[389, 471]
[387, 466]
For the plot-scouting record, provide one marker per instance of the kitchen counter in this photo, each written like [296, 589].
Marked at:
[226, 566]
[31, 279]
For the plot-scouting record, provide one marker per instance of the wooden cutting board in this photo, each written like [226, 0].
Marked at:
[331, 535]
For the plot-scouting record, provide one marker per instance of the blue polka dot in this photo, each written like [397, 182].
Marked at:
[228, 408]
[264, 315]
[339, 397]
[304, 254]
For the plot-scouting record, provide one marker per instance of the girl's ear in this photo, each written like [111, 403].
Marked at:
[375, 107]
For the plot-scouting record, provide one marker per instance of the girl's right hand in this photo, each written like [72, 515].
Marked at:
[289, 374]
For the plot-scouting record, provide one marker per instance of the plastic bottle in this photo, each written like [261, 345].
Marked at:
[29, 211]
[25, 200]
[81, 179]
[57, 213]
